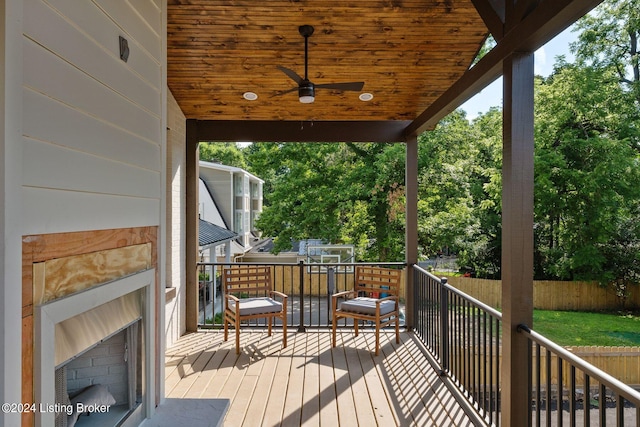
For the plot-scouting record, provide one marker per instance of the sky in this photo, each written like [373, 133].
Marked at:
[544, 59]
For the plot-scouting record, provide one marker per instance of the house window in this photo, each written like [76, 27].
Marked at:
[237, 185]
[238, 222]
[254, 190]
[254, 217]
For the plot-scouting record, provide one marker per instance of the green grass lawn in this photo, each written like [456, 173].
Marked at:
[568, 328]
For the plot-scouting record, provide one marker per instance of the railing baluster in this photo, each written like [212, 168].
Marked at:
[572, 396]
[498, 376]
[619, 409]
[538, 379]
[491, 389]
[602, 405]
[586, 400]
[301, 327]
[444, 329]
[549, 397]
[484, 361]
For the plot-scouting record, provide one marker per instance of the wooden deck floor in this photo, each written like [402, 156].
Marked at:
[311, 384]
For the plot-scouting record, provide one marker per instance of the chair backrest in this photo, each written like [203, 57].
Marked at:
[377, 282]
[246, 281]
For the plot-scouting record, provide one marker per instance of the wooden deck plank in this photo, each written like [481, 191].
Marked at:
[263, 368]
[190, 374]
[312, 384]
[328, 398]
[277, 395]
[364, 410]
[292, 411]
[346, 405]
[310, 415]
[416, 375]
[377, 391]
[207, 374]
[183, 368]
[399, 384]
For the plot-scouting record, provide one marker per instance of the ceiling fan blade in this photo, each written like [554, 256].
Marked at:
[293, 89]
[292, 74]
[351, 86]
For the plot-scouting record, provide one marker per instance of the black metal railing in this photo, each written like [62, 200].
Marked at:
[566, 390]
[308, 286]
[463, 335]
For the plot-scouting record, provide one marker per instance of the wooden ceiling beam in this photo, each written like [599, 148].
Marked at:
[300, 131]
[493, 19]
[546, 21]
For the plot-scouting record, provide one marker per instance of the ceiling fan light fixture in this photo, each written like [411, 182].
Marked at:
[366, 96]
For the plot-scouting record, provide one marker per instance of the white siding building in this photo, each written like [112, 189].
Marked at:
[231, 197]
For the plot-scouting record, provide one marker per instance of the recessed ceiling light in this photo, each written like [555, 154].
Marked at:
[250, 96]
[365, 96]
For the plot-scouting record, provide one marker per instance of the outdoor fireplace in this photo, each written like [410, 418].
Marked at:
[100, 387]
[101, 344]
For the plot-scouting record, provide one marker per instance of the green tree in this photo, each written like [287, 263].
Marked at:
[459, 190]
[349, 193]
[610, 39]
[586, 171]
[225, 153]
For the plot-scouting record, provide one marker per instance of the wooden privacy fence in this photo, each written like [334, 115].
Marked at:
[550, 295]
[619, 362]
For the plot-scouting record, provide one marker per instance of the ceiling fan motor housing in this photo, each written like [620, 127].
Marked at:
[306, 92]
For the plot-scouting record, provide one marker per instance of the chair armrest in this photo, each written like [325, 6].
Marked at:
[390, 297]
[280, 294]
[232, 297]
[343, 294]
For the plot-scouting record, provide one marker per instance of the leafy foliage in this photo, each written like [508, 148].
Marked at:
[609, 39]
[350, 193]
[586, 173]
[226, 153]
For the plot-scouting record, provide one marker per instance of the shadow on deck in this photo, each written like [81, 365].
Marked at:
[311, 384]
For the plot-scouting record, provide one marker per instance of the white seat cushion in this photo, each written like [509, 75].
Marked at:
[366, 305]
[251, 306]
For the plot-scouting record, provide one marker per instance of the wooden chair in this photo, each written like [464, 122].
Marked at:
[374, 299]
[248, 295]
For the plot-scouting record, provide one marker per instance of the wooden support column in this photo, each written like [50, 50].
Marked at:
[191, 211]
[411, 228]
[517, 235]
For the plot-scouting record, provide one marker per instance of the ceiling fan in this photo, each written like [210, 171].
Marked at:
[307, 89]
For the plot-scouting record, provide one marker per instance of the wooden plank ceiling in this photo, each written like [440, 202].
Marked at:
[407, 52]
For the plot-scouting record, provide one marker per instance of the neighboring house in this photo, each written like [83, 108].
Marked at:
[231, 198]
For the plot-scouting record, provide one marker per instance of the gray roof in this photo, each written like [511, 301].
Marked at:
[209, 234]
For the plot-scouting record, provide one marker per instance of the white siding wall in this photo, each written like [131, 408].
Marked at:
[10, 210]
[220, 183]
[175, 313]
[92, 123]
